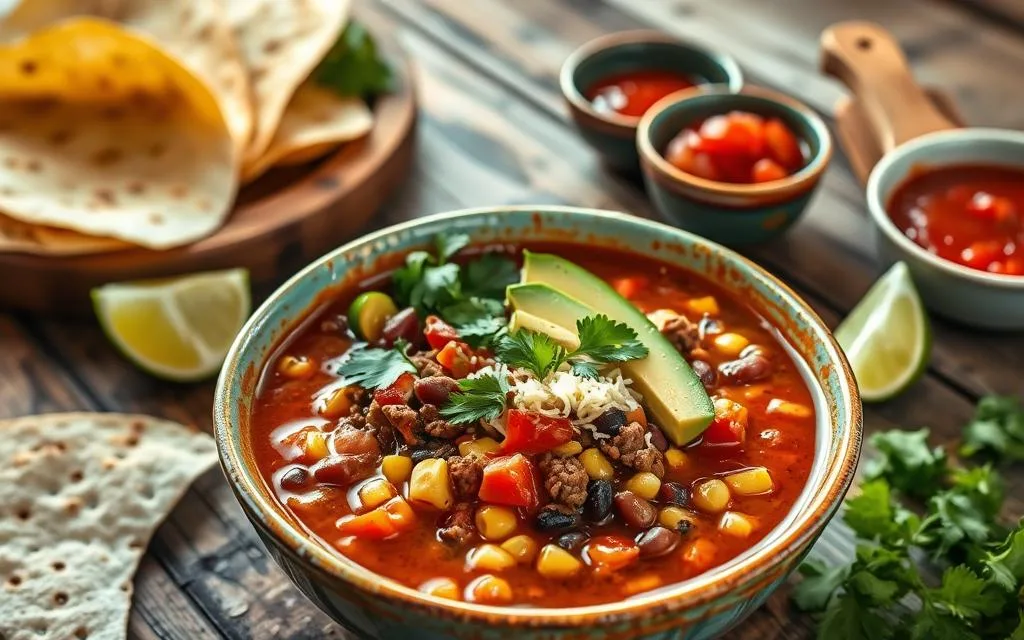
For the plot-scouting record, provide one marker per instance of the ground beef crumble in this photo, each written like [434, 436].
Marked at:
[683, 334]
[466, 473]
[458, 527]
[630, 448]
[436, 426]
[405, 420]
[565, 480]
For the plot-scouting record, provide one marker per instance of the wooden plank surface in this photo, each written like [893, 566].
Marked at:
[494, 132]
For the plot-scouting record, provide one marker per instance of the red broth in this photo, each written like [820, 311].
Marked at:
[783, 443]
[972, 215]
[633, 93]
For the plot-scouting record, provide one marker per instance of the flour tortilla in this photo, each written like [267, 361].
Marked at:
[80, 497]
[20, 237]
[281, 44]
[103, 133]
[316, 121]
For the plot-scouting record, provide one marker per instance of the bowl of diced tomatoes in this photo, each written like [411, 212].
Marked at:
[738, 168]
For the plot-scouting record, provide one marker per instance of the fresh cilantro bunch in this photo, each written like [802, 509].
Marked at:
[372, 368]
[885, 592]
[602, 341]
[997, 430]
[470, 298]
[353, 67]
[483, 397]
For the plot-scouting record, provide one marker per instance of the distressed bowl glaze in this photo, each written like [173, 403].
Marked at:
[977, 298]
[699, 608]
[733, 214]
[613, 135]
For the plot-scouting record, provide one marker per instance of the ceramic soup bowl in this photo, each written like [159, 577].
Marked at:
[699, 608]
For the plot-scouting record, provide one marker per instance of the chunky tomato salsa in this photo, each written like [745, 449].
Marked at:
[633, 93]
[560, 427]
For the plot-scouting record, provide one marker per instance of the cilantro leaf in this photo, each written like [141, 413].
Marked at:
[448, 244]
[984, 486]
[584, 369]
[907, 463]
[603, 340]
[997, 429]
[818, 585]
[1005, 565]
[954, 519]
[407, 277]
[488, 275]
[1018, 633]
[375, 368]
[930, 624]
[848, 619]
[536, 352]
[483, 397]
[478, 321]
[437, 287]
[353, 67]
[964, 595]
[871, 514]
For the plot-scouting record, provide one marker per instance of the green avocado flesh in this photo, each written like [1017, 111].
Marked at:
[560, 292]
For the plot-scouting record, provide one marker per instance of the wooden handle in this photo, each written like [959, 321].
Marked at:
[868, 60]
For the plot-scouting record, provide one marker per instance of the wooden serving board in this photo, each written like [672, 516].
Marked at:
[280, 222]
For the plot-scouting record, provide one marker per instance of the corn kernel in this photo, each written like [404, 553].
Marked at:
[375, 492]
[489, 589]
[441, 587]
[711, 496]
[788, 409]
[731, 411]
[495, 523]
[296, 367]
[557, 563]
[730, 344]
[700, 553]
[676, 459]
[479, 447]
[338, 403]
[396, 469]
[314, 446]
[522, 547]
[596, 465]
[644, 484]
[750, 482]
[673, 518]
[706, 305]
[429, 484]
[489, 557]
[571, 448]
[736, 524]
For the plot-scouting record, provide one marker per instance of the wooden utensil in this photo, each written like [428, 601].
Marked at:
[887, 106]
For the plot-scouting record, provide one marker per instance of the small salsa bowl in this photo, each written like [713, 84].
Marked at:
[614, 135]
[699, 608]
[962, 294]
[733, 214]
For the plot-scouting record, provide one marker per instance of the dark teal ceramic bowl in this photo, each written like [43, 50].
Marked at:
[613, 136]
[733, 214]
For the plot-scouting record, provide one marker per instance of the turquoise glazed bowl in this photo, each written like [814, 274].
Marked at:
[702, 607]
[733, 214]
[969, 296]
[613, 135]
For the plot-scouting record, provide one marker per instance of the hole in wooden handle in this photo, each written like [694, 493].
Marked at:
[864, 43]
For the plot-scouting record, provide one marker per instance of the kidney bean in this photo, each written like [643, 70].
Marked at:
[636, 511]
[657, 541]
[345, 469]
[658, 438]
[404, 324]
[611, 421]
[745, 370]
[572, 541]
[296, 479]
[598, 505]
[705, 372]
[674, 493]
[554, 519]
[434, 389]
[708, 326]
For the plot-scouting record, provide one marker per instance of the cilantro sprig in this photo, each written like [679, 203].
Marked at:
[353, 67]
[951, 517]
[483, 397]
[373, 368]
[602, 341]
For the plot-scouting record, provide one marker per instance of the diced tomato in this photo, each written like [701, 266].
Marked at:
[438, 332]
[981, 254]
[455, 357]
[372, 525]
[611, 552]
[629, 287]
[529, 432]
[783, 145]
[766, 170]
[637, 415]
[989, 207]
[729, 135]
[398, 393]
[510, 480]
[1015, 267]
[400, 513]
[754, 126]
[729, 428]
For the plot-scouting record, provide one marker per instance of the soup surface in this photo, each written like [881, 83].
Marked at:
[633, 93]
[971, 215]
[568, 493]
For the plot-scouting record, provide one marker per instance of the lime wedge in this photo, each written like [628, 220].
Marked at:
[886, 337]
[179, 328]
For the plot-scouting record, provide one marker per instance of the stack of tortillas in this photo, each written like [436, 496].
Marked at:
[134, 122]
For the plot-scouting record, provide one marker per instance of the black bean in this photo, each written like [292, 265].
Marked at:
[435, 389]
[746, 370]
[420, 455]
[657, 541]
[658, 438]
[553, 519]
[705, 372]
[296, 479]
[598, 505]
[674, 493]
[404, 324]
[634, 510]
[611, 421]
[572, 541]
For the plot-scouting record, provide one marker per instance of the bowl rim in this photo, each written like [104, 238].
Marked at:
[700, 590]
[800, 181]
[567, 74]
[878, 209]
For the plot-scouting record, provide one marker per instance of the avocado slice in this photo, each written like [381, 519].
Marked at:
[561, 293]
[530, 322]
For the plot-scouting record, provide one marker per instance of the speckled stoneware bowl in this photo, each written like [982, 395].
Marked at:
[613, 135]
[973, 297]
[733, 214]
[703, 607]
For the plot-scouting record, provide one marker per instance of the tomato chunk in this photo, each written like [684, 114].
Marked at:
[784, 147]
[529, 432]
[982, 254]
[729, 428]
[989, 207]
[629, 287]
[438, 332]
[510, 480]
[611, 553]
[398, 393]
[729, 135]
[766, 170]
[372, 525]
[455, 356]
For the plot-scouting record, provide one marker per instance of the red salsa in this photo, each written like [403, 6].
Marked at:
[737, 147]
[971, 215]
[534, 504]
[634, 92]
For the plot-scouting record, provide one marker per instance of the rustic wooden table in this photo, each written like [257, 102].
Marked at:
[493, 131]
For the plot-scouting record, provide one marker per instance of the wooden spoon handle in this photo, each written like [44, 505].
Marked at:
[868, 60]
